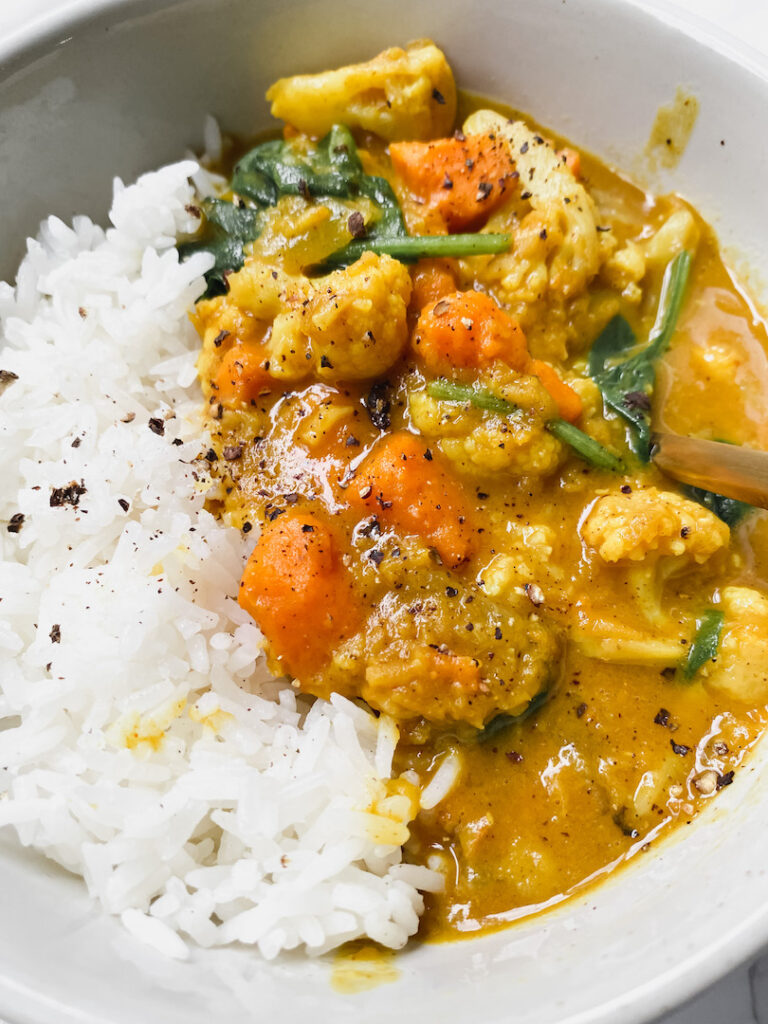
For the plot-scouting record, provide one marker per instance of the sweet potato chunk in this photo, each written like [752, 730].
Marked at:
[464, 179]
[299, 591]
[409, 489]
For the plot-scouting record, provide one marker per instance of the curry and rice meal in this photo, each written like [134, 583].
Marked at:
[408, 632]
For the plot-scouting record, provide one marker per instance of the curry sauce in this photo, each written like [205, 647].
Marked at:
[429, 543]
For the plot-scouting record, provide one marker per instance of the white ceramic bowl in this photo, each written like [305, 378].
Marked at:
[118, 87]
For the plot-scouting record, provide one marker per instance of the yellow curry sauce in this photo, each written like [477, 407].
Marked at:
[460, 568]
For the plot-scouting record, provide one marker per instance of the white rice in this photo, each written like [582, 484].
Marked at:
[142, 742]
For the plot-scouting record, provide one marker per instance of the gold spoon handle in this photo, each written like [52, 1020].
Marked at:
[725, 469]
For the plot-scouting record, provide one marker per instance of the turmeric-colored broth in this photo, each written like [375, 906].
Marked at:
[623, 748]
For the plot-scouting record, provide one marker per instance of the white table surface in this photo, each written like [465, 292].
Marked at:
[742, 996]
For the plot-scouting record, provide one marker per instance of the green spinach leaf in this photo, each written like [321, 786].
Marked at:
[227, 229]
[501, 722]
[730, 510]
[705, 644]
[627, 384]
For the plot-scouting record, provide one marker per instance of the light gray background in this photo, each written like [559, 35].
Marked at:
[742, 996]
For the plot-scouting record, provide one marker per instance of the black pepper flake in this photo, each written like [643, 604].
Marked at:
[498, 635]
[685, 531]
[469, 627]
[157, 426]
[221, 336]
[484, 189]
[637, 400]
[428, 454]
[382, 502]
[525, 195]
[513, 755]
[543, 233]
[378, 405]
[326, 363]
[372, 528]
[580, 710]
[724, 780]
[376, 556]
[625, 489]
[524, 148]
[123, 504]
[69, 495]
[77, 442]
[177, 441]
[482, 495]
[211, 456]
[55, 634]
[274, 513]
[247, 527]
[356, 224]
[303, 188]
[451, 591]
[351, 442]
[447, 183]
[307, 528]
[438, 97]
[662, 717]
[16, 522]
[679, 748]
[232, 452]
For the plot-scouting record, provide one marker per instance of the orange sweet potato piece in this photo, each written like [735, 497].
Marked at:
[299, 591]
[568, 402]
[572, 160]
[409, 489]
[464, 178]
[468, 330]
[431, 280]
[241, 376]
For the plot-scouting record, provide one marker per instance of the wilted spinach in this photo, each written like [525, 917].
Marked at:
[730, 510]
[332, 168]
[705, 644]
[627, 384]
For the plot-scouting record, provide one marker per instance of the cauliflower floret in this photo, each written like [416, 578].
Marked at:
[482, 442]
[624, 269]
[556, 249]
[678, 232]
[350, 325]
[740, 670]
[629, 527]
[563, 204]
[400, 94]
